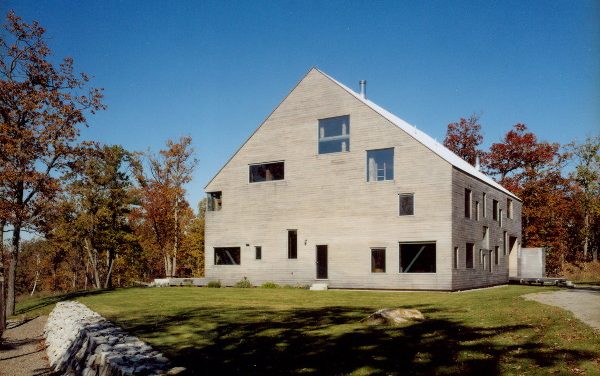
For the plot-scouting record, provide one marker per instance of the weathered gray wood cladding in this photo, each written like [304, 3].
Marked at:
[327, 199]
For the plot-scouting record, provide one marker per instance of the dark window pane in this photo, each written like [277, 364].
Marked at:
[407, 204]
[227, 256]
[334, 134]
[258, 252]
[292, 244]
[266, 172]
[333, 146]
[455, 258]
[380, 164]
[496, 251]
[467, 203]
[378, 260]
[469, 256]
[417, 258]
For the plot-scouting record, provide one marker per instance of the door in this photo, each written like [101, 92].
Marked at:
[321, 262]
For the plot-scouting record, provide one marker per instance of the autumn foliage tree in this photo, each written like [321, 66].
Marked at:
[164, 212]
[41, 107]
[464, 138]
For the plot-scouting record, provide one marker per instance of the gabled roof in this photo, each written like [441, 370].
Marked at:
[426, 140]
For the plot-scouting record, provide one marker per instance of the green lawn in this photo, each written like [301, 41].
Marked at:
[281, 331]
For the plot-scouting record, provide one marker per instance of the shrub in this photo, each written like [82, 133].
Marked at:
[585, 272]
[243, 284]
[214, 284]
[297, 286]
[270, 285]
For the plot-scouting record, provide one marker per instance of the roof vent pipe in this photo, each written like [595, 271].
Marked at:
[363, 88]
[477, 163]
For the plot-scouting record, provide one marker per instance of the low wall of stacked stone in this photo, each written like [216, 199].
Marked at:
[81, 342]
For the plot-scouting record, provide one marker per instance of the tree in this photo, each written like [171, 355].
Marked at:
[164, 208]
[41, 107]
[587, 176]
[464, 138]
[101, 190]
[533, 171]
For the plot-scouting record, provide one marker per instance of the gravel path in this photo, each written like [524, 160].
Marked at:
[585, 304]
[22, 349]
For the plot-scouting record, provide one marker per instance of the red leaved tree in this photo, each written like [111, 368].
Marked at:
[464, 138]
[41, 107]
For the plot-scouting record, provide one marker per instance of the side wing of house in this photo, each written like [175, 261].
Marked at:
[486, 232]
[314, 194]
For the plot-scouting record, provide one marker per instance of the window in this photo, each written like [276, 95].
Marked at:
[488, 261]
[482, 258]
[496, 251]
[258, 250]
[417, 258]
[505, 243]
[469, 256]
[407, 204]
[485, 238]
[484, 201]
[266, 172]
[455, 257]
[509, 208]
[227, 256]
[213, 201]
[334, 134]
[292, 244]
[500, 216]
[380, 164]
[378, 260]
[476, 210]
[494, 210]
[468, 194]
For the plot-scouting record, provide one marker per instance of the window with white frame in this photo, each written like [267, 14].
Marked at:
[380, 164]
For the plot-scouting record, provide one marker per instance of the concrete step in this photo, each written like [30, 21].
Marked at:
[318, 287]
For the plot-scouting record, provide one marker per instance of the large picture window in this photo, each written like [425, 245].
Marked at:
[378, 260]
[266, 172]
[227, 256]
[417, 257]
[334, 134]
[380, 164]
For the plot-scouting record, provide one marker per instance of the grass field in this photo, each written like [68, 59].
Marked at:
[282, 331]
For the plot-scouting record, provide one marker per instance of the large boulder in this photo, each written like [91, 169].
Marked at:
[393, 316]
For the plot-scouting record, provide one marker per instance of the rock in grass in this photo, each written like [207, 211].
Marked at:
[393, 316]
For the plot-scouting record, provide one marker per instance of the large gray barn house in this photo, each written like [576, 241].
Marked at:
[333, 188]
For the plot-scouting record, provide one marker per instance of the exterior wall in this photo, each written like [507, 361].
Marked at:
[327, 199]
[469, 230]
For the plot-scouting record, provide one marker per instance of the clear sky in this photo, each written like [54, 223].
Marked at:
[215, 70]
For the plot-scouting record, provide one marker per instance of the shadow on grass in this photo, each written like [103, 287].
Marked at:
[331, 341]
[39, 303]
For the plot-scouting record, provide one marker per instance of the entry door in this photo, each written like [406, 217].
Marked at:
[321, 262]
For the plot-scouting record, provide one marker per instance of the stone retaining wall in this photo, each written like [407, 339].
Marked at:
[81, 342]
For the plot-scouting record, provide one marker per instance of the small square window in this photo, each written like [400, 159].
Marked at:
[258, 250]
[407, 204]
[378, 260]
[334, 135]
[380, 164]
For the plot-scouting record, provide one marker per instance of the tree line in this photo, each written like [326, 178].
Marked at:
[101, 216]
[559, 186]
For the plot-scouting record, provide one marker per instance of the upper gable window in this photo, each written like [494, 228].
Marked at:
[266, 172]
[380, 164]
[334, 134]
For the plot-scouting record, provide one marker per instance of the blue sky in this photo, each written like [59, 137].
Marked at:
[215, 70]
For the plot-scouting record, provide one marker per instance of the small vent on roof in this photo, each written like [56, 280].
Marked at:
[363, 88]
